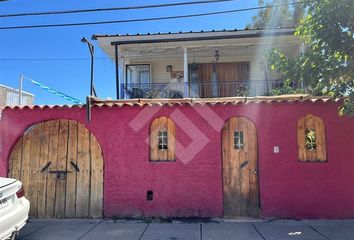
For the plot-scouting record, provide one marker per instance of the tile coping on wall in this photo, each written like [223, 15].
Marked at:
[192, 101]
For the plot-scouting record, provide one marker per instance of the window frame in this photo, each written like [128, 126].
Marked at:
[137, 64]
[317, 154]
[240, 145]
[162, 135]
[155, 153]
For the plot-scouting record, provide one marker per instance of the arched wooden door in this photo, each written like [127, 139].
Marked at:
[60, 164]
[240, 179]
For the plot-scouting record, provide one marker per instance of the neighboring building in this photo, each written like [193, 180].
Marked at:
[196, 64]
[10, 97]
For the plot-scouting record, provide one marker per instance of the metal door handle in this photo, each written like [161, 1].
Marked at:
[244, 164]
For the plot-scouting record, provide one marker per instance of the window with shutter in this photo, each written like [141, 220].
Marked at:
[311, 139]
[162, 140]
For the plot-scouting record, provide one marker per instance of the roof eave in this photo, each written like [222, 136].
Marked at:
[201, 38]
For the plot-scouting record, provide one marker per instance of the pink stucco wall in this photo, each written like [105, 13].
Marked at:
[288, 188]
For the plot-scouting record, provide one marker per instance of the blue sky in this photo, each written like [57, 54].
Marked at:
[73, 77]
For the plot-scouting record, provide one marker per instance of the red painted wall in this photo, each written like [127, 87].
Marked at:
[288, 188]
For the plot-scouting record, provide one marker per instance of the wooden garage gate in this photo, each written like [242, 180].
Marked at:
[60, 164]
[240, 176]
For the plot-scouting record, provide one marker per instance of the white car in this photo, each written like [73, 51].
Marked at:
[14, 207]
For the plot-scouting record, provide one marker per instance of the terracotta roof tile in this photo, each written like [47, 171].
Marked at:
[302, 98]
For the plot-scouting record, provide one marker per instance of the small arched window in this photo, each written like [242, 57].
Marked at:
[311, 139]
[162, 140]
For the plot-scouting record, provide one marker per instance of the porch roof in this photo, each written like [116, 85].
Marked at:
[138, 38]
[138, 45]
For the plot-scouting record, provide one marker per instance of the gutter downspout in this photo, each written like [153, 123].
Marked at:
[185, 72]
[117, 72]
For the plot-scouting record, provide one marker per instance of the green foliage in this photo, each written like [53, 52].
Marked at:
[286, 16]
[310, 139]
[326, 66]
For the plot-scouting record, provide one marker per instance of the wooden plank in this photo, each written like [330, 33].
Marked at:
[96, 179]
[253, 172]
[26, 159]
[311, 155]
[15, 160]
[301, 139]
[61, 166]
[34, 169]
[171, 129]
[163, 127]
[70, 195]
[83, 177]
[43, 161]
[234, 160]
[226, 169]
[52, 178]
[232, 169]
[320, 140]
[154, 140]
[244, 161]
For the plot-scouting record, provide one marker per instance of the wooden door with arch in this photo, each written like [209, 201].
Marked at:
[240, 168]
[60, 164]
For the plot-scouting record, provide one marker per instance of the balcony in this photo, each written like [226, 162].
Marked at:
[199, 89]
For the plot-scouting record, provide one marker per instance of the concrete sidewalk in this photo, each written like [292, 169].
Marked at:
[135, 230]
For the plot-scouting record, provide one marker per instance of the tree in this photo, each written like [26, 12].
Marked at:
[326, 66]
[277, 17]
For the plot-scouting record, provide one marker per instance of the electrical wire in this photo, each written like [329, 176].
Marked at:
[113, 9]
[50, 59]
[148, 19]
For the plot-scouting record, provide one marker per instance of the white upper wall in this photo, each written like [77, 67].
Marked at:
[160, 50]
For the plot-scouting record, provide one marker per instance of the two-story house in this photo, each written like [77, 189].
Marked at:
[207, 155]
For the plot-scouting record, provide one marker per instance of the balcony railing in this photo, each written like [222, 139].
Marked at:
[199, 89]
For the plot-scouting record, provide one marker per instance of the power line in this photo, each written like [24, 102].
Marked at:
[51, 59]
[113, 9]
[147, 19]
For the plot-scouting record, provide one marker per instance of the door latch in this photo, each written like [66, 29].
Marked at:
[61, 174]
